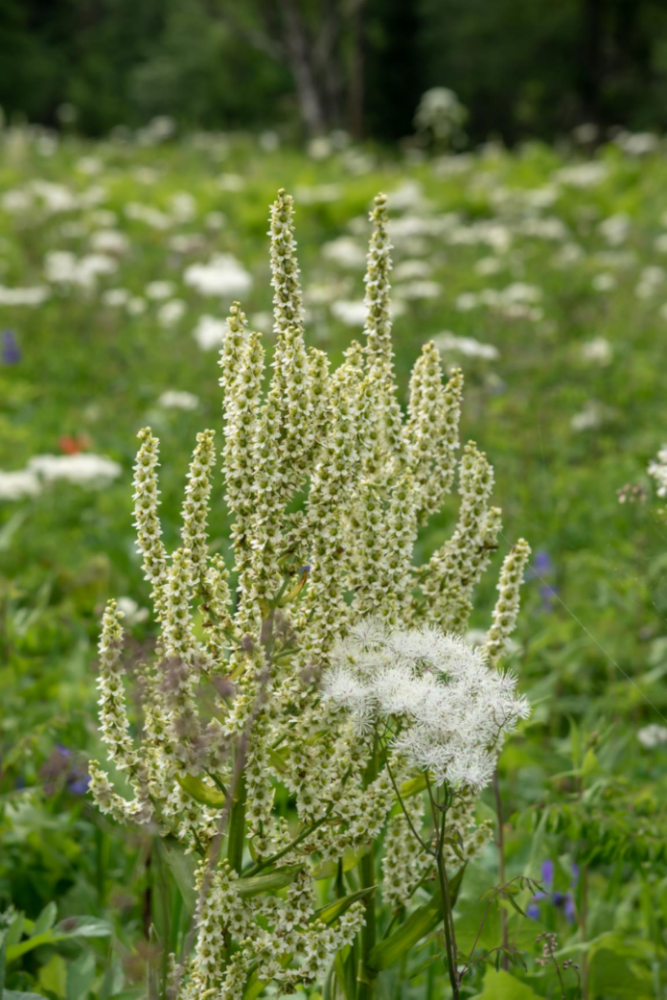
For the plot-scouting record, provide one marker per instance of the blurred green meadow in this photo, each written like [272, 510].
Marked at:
[543, 274]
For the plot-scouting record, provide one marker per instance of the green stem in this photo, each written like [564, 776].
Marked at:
[501, 868]
[237, 826]
[366, 976]
[256, 868]
[450, 941]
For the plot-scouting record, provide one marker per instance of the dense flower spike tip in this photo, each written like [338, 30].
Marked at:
[147, 523]
[506, 610]
[319, 662]
[114, 723]
[287, 304]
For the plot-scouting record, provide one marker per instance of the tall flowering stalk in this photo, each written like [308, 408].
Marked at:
[344, 694]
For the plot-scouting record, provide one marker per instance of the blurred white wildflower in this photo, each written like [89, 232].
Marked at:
[593, 415]
[268, 141]
[19, 484]
[183, 206]
[650, 281]
[598, 350]
[89, 165]
[209, 332]
[349, 313]
[171, 312]
[231, 182]
[136, 306]
[159, 290]
[151, 216]
[451, 708]
[319, 148]
[24, 296]
[146, 175]
[615, 229]
[158, 129]
[568, 255]
[468, 346]
[110, 241]
[186, 242]
[440, 116]
[410, 270]
[637, 143]
[353, 313]
[83, 468]
[131, 612]
[262, 321]
[176, 399]
[586, 133]
[652, 736]
[55, 197]
[516, 301]
[64, 268]
[409, 196]
[104, 218]
[604, 282]
[658, 470]
[319, 194]
[344, 251]
[489, 265]
[16, 200]
[583, 175]
[223, 275]
[215, 220]
[116, 297]
[419, 290]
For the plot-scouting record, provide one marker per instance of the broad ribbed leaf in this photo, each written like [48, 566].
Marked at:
[204, 794]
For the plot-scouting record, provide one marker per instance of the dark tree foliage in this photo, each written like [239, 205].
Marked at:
[522, 67]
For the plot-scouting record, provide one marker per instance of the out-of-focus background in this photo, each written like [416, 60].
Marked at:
[521, 145]
[523, 68]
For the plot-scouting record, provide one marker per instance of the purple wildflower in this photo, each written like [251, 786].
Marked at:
[10, 351]
[562, 901]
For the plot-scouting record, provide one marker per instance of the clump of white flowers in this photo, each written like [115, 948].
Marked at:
[450, 709]
[440, 117]
[244, 753]
[658, 470]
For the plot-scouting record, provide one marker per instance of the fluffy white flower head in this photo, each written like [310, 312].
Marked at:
[448, 709]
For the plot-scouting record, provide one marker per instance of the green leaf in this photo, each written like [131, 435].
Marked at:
[204, 794]
[85, 927]
[182, 867]
[256, 884]
[345, 974]
[46, 919]
[18, 950]
[19, 995]
[327, 914]
[500, 985]
[14, 932]
[418, 925]
[329, 869]
[80, 976]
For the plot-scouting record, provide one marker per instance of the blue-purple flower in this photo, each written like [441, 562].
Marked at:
[10, 352]
[562, 901]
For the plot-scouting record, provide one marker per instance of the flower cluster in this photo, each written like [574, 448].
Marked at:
[327, 482]
[448, 709]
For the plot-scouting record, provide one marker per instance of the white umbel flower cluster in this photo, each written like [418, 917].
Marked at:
[448, 709]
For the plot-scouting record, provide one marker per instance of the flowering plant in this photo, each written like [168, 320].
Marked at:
[303, 704]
